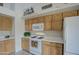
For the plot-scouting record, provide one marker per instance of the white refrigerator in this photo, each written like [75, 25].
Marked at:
[71, 35]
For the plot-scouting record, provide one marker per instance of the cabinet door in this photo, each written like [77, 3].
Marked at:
[7, 46]
[12, 42]
[57, 22]
[48, 23]
[57, 17]
[25, 44]
[26, 25]
[41, 19]
[2, 47]
[7, 23]
[57, 26]
[35, 20]
[78, 12]
[46, 49]
[30, 24]
[1, 21]
[70, 13]
[56, 49]
[53, 50]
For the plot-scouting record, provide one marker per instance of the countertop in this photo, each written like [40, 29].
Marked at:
[54, 39]
[2, 39]
[25, 37]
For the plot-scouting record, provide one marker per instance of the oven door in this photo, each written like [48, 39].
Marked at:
[35, 46]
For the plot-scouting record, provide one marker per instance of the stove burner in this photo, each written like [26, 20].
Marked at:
[34, 37]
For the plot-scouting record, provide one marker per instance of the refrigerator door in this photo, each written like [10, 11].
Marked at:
[71, 37]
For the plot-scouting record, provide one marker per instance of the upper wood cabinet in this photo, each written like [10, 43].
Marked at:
[69, 13]
[57, 22]
[30, 24]
[57, 26]
[41, 19]
[51, 22]
[35, 20]
[5, 23]
[1, 21]
[27, 25]
[78, 12]
[57, 17]
[48, 23]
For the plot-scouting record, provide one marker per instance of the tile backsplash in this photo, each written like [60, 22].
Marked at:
[4, 33]
[51, 33]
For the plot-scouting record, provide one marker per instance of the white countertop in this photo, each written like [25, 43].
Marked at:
[2, 39]
[54, 39]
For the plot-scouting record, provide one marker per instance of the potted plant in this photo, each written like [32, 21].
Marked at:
[27, 34]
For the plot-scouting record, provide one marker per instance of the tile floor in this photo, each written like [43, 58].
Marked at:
[21, 53]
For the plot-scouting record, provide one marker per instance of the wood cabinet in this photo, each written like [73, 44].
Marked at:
[35, 20]
[56, 49]
[70, 13]
[1, 21]
[27, 25]
[46, 49]
[52, 48]
[48, 23]
[57, 26]
[78, 12]
[57, 22]
[7, 46]
[41, 19]
[5, 23]
[25, 44]
[30, 24]
[2, 48]
[51, 22]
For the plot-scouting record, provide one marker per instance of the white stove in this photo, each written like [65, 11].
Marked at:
[36, 44]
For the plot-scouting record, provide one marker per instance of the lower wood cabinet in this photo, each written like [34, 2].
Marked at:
[7, 46]
[46, 49]
[52, 48]
[25, 44]
[2, 48]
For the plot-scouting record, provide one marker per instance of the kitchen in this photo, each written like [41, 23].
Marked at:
[39, 34]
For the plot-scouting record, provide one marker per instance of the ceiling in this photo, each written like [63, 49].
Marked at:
[38, 11]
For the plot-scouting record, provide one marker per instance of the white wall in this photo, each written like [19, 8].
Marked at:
[7, 11]
[57, 7]
[19, 27]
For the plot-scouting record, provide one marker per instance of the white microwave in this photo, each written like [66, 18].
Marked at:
[38, 27]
